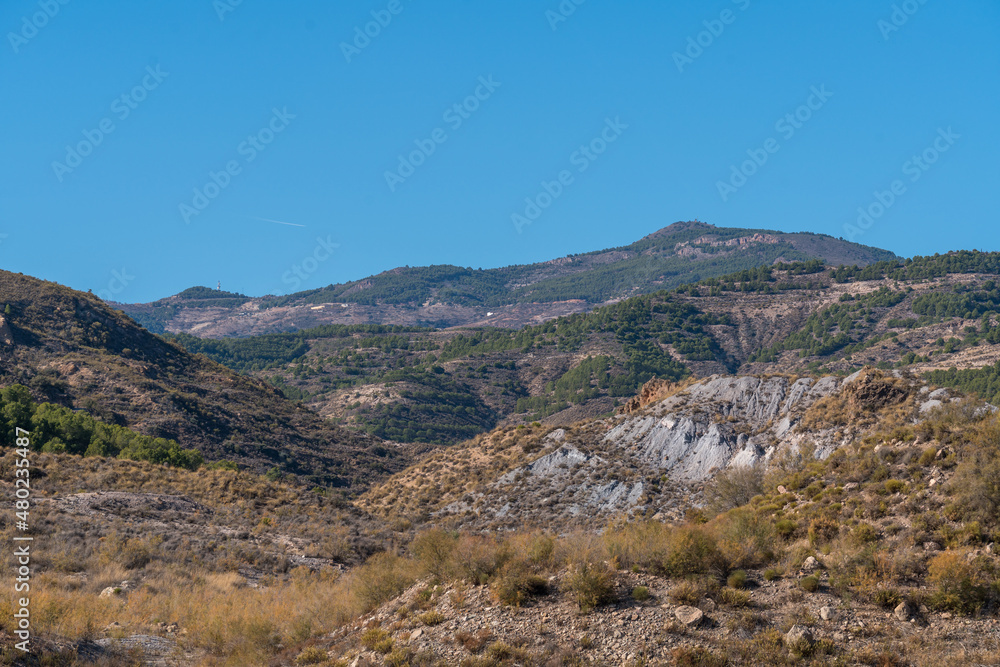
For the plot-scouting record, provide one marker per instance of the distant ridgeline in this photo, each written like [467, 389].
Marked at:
[674, 256]
[60, 430]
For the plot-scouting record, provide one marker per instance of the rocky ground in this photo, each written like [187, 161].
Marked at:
[457, 623]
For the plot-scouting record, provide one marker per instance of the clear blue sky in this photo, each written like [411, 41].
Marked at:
[212, 83]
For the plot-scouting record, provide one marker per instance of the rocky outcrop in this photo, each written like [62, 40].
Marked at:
[658, 453]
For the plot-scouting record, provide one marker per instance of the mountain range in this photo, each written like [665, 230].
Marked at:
[445, 296]
[712, 447]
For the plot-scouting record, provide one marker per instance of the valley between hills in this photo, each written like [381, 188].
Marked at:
[711, 447]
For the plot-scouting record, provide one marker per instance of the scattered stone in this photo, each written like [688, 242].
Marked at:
[415, 635]
[799, 637]
[707, 605]
[689, 616]
[827, 613]
[932, 546]
[850, 486]
[903, 611]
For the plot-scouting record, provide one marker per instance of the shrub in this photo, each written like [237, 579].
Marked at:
[771, 574]
[686, 656]
[432, 550]
[376, 639]
[690, 591]
[809, 584]
[961, 585]
[928, 456]
[737, 579]
[477, 559]
[745, 538]
[863, 533]
[382, 578]
[400, 657]
[887, 598]
[643, 544]
[473, 643]
[640, 594]
[734, 487]
[893, 486]
[692, 551]
[786, 528]
[431, 618]
[822, 530]
[311, 656]
[516, 584]
[734, 598]
[591, 584]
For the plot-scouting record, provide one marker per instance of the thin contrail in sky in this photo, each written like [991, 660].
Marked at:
[290, 224]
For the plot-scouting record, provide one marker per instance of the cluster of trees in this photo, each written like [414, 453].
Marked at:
[257, 353]
[435, 409]
[983, 382]
[758, 280]
[923, 268]
[57, 429]
[961, 302]
[829, 330]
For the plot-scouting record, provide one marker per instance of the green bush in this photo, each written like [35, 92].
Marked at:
[516, 584]
[737, 579]
[640, 594]
[591, 585]
[692, 551]
[376, 639]
[734, 598]
[809, 584]
[786, 528]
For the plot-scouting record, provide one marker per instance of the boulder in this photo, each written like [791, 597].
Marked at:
[827, 613]
[108, 592]
[689, 616]
[903, 611]
[799, 637]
